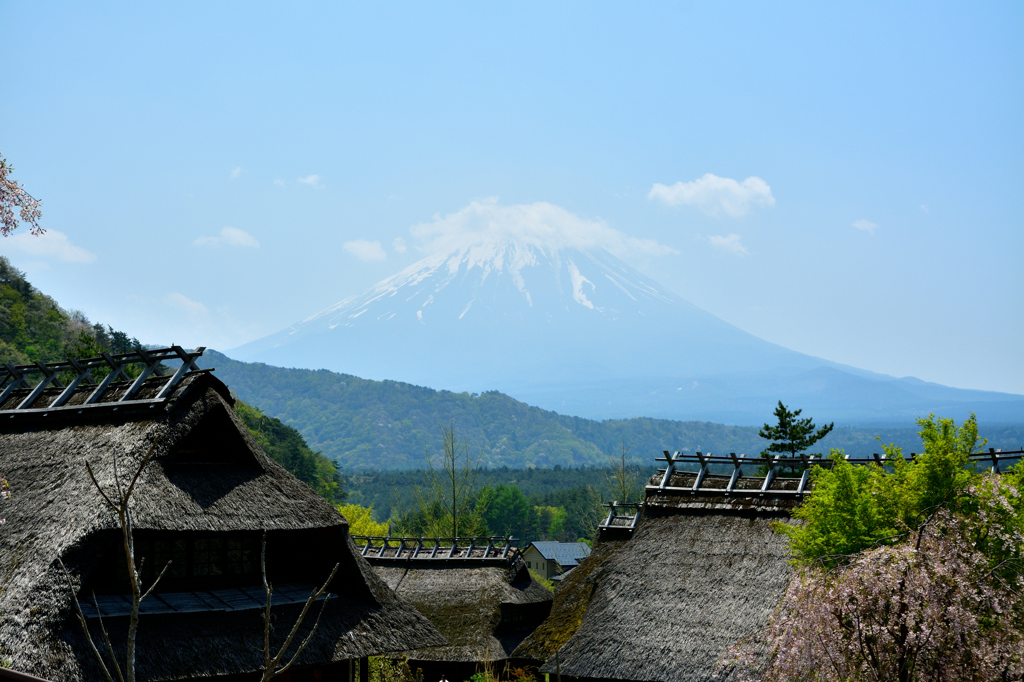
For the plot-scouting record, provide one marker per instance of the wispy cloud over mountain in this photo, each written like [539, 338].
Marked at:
[184, 304]
[365, 250]
[540, 224]
[52, 244]
[714, 195]
[229, 236]
[731, 244]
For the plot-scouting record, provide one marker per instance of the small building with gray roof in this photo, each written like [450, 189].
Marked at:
[552, 560]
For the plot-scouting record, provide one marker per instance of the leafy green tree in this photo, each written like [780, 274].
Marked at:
[508, 512]
[791, 436]
[911, 571]
[855, 507]
[360, 520]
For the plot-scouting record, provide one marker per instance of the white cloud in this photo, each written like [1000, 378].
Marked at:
[52, 244]
[279, 182]
[730, 244]
[311, 180]
[399, 245]
[365, 250]
[865, 225]
[924, 207]
[235, 172]
[185, 304]
[229, 236]
[714, 195]
[541, 224]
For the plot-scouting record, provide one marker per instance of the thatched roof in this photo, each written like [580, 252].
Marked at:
[467, 602]
[572, 597]
[207, 474]
[698, 575]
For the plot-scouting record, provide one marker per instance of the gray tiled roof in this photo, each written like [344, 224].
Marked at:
[565, 553]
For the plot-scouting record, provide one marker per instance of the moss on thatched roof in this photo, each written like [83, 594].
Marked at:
[571, 600]
[466, 603]
[206, 474]
[699, 575]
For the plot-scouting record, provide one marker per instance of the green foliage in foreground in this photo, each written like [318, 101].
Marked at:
[855, 507]
[287, 447]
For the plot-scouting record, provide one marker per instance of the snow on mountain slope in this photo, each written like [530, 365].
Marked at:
[552, 318]
[501, 314]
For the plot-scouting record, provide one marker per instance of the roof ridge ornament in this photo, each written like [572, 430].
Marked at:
[473, 549]
[720, 476]
[16, 377]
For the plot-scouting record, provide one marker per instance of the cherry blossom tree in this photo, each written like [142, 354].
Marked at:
[944, 603]
[5, 494]
[14, 197]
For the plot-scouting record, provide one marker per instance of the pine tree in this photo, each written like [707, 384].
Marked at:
[792, 435]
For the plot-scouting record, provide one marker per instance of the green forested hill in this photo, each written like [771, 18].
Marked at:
[369, 425]
[33, 327]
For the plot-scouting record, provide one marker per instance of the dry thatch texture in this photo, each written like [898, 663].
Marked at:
[668, 604]
[699, 574]
[465, 604]
[571, 599]
[56, 512]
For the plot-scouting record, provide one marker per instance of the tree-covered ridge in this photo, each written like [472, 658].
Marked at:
[368, 425]
[34, 328]
[287, 447]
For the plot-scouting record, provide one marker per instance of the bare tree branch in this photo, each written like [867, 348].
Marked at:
[81, 619]
[322, 592]
[166, 566]
[271, 663]
[106, 637]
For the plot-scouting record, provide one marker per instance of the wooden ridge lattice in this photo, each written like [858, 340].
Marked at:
[621, 520]
[724, 475]
[70, 376]
[482, 550]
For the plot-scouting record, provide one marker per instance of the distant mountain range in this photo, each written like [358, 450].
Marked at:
[581, 332]
[366, 425]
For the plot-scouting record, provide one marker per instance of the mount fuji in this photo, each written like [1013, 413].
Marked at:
[578, 331]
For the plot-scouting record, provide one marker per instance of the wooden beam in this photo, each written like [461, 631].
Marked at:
[737, 473]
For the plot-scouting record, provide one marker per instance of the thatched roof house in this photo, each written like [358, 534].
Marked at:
[477, 592]
[202, 501]
[700, 573]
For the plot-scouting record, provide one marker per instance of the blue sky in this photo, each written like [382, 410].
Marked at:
[202, 166]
